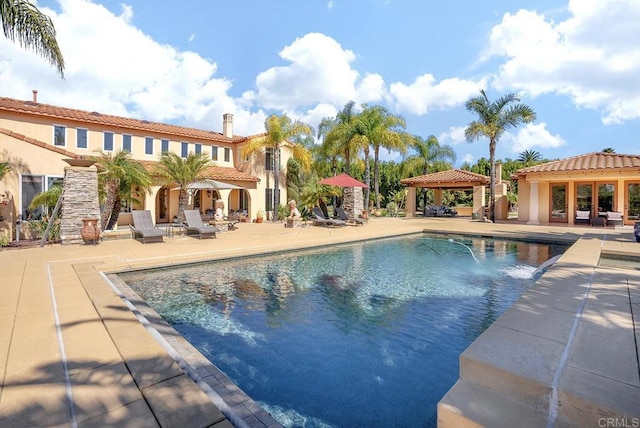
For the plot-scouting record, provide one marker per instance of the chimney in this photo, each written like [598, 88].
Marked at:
[498, 177]
[227, 125]
[35, 96]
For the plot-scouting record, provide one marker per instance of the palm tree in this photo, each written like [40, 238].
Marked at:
[118, 176]
[339, 133]
[24, 23]
[529, 157]
[389, 134]
[608, 150]
[280, 130]
[494, 118]
[4, 169]
[428, 151]
[176, 170]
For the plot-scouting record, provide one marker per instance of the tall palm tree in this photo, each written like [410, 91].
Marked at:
[24, 23]
[389, 134]
[428, 152]
[529, 157]
[118, 176]
[175, 170]
[280, 131]
[339, 133]
[493, 119]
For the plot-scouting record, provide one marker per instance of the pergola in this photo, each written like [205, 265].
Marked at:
[453, 179]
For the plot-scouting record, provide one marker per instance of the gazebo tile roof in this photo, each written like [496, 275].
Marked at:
[589, 161]
[447, 177]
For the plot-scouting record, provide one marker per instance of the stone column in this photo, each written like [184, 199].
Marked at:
[533, 204]
[353, 201]
[410, 207]
[79, 200]
[478, 202]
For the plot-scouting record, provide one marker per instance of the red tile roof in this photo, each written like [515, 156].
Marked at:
[450, 177]
[586, 162]
[44, 145]
[214, 172]
[50, 111]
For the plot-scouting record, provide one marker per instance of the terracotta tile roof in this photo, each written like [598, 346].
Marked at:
[589, 161]
[42, 144]
[452, 176]
[50, 111]
[214, 172]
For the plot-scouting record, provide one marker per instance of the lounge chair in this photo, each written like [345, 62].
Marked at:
[194, 225]
[583, 216]
[344, 217]
[323, 221]
[614, 218]
[144, 228]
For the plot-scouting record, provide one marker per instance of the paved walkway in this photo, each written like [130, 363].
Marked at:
[73, 354]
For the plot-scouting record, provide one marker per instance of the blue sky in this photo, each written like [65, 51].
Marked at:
[577, 63]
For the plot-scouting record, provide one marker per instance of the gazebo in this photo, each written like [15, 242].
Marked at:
[455, 179]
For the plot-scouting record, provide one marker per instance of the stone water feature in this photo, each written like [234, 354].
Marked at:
[79, 199]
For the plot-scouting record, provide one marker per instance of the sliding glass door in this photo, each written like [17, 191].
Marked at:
[558, 203]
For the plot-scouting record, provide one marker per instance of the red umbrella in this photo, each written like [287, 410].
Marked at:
[343, 180]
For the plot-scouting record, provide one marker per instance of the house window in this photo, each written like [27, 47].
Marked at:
[165, 145]
[184, 152]
[198, 149]
[268, 197]
[30, 186]
[59, 135]
[81, 138]
[227, 154]
[126, 143]
[269, 164]
[214, 153]
[108, 142]
[148, 146]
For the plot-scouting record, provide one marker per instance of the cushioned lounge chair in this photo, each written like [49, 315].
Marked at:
[321, 220]
[143, 227]
[345, 217]
[583, 217]
[614, 218]
[195, 226]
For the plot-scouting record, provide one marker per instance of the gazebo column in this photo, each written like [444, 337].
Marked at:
[410, 209]
[479, 202]
[533, 203]
[437, 197]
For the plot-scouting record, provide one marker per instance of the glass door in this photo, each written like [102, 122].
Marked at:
[558, 203]
[633, 203]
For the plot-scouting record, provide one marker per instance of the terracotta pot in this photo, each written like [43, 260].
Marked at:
[90, 230]
[259, 220]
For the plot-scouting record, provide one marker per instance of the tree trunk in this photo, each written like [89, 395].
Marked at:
[115, 212]
[109, 201]
[367, 179]
[182, 204]
[276, 183]
[492, 186]
[376, 176]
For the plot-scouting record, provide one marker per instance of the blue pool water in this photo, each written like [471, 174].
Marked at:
[360, 335]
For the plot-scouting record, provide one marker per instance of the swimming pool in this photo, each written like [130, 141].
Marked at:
[367, 334]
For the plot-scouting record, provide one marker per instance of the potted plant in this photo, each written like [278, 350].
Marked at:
[259, 216]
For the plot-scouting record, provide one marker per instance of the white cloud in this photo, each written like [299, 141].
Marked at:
[425, 94]
[113, 67]
[192, 37]
[453, 137]
[467, 158]
[330, 5]
[591, 56]
[319, 72]
[531, 136]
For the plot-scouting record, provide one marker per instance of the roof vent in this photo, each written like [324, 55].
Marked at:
[95, 113]
[145, 121]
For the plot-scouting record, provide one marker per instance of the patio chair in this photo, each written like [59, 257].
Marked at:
[345, 217]
[583, 217]
[614, 218]
[195, 226]
[323, 221]
[144, 228]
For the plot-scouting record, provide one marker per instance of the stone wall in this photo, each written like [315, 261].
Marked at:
[79, 200]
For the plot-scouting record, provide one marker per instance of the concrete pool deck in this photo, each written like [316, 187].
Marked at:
[73, 353]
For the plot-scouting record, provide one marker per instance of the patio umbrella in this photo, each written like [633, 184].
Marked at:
[343, 180]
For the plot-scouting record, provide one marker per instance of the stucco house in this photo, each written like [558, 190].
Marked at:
[36, 137]
[598, 182]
